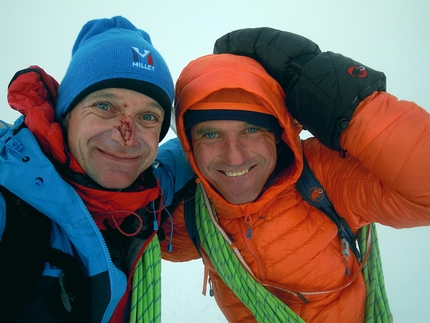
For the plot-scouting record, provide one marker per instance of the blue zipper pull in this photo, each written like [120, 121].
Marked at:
[248, 233]
[211, 291]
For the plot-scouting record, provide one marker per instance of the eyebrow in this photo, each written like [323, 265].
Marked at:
[106, 94]
[206, 129]
[203, 130]
[103, 94]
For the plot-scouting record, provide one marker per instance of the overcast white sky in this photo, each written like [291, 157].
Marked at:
[388, 35]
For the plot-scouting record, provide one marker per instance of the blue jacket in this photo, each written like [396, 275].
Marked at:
[29, 174]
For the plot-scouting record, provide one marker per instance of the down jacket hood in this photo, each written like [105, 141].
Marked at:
[209, 74]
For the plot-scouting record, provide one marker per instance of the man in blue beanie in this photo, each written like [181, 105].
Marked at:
[80, 205]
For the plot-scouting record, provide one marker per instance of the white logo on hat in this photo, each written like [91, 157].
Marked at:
[147, 56]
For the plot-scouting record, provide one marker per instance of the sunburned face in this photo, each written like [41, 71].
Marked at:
[113, 134]
[235, 157]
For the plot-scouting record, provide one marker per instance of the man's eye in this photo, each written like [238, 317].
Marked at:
[254, 130]
[210, 135]
[149, 117]
[102, 106]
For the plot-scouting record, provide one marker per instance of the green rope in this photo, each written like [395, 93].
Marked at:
[377, 306]
[146, 286]
[265, 307]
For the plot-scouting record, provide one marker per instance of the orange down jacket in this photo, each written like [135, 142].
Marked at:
[383, 178]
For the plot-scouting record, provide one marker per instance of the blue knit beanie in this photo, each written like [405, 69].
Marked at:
[113, 53]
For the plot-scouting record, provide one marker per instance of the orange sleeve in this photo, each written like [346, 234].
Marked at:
[385, 176]
[392, 139]
[183, 248]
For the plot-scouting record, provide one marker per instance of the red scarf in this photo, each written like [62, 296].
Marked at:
[33, 93]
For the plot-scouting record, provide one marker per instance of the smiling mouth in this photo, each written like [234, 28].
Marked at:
[119, 157]
[235, 174]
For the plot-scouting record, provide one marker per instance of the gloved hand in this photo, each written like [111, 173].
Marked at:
[322, 89]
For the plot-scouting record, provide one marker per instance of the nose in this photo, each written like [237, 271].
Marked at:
[124, 132]
[233, 151]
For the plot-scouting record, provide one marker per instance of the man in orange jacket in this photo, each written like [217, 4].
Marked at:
[271, 256]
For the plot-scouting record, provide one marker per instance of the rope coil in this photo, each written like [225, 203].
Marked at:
[263, 304]
[146, 286]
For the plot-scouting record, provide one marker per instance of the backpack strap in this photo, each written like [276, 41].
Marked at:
[190, 214]
[313, 193]
[187, 196]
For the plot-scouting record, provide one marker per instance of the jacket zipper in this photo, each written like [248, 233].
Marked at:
[246, 231]
[246, 235]
[111, 266]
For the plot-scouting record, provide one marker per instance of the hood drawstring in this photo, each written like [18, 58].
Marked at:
[155, 216]
[157, 225]
[117, 226]
[170, 245]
